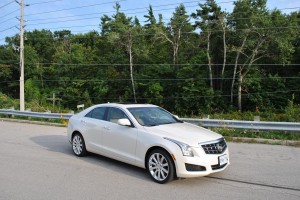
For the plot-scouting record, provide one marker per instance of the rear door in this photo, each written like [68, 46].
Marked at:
[94, 128]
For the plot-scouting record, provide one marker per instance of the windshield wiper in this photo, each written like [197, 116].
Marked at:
[152, 125]
[169, 123]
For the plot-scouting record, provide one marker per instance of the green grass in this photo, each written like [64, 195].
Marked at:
[274, 135]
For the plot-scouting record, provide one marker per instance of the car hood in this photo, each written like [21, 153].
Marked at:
[184, 132]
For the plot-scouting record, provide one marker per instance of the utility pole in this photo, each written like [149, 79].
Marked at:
[22, 101]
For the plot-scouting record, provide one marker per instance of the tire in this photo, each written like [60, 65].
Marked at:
[160, 166]
[78, 145]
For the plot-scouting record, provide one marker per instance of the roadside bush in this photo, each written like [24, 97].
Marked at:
[7, 102]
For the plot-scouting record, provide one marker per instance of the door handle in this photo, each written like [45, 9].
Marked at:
[106, 127]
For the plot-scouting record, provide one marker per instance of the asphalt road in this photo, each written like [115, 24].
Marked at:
[36, 162]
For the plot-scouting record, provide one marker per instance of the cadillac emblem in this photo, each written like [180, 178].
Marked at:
[219, 147]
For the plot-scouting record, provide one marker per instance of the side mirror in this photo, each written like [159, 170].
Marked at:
[177, 118]
[124, 122]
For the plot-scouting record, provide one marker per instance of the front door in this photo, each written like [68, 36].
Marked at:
[119, 141]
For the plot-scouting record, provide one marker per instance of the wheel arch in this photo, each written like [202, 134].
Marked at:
[76, 132]
[161, 148]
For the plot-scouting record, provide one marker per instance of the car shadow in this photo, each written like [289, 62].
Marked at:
[55, 143]
[60, 144]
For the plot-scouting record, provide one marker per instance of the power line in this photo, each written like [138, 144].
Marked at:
[44, 2]
[53, 22]
[88, 18]
[108, 12]
[7, 20]
[73, 8]
[147, 79]
[125, 10]
[152, 64]
[57, 28]
[7, 29]
[9, 13]
[7, 4]
[156, 79]
[155, 64]
[101, 13]
[134, 9]
[131, 9]
[17, 81]
[26, 5]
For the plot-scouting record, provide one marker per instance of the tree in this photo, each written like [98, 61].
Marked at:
[9, 71]
[209, 15]
[177, 31]
[126, 33]
[255, 37]
[150, 18]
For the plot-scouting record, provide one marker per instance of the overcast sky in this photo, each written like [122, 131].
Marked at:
[82, 16]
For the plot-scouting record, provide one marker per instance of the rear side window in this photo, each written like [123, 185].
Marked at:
[97, 113]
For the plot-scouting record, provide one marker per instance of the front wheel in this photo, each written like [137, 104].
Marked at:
[160, 166]
[78, 145]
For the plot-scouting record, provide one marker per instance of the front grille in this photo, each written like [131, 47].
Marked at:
[194, 168]
[215, 147]
[215, 167]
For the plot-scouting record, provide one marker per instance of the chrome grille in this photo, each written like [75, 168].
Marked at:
[215, 147]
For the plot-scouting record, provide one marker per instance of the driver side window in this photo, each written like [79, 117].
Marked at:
[114, 114]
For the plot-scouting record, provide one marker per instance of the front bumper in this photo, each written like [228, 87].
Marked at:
[201, 164]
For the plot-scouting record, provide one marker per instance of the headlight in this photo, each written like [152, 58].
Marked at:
[185, 148]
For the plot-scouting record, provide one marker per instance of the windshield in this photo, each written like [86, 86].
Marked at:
[153, 116]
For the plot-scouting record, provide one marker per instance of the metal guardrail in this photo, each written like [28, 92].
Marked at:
[45, 115]
[253, 125]
[208, 123]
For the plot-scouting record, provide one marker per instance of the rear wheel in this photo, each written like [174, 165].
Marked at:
[160, 166]
[78, 145]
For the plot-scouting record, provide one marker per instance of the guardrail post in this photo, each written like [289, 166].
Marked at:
[12, 108]
[257, 118]
[28, 110]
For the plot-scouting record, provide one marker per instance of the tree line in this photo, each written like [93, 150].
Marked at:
[206, 61]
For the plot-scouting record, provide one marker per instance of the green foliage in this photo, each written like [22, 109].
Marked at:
[8, 71]
[291, 113]
[32, 90]
[7, 102]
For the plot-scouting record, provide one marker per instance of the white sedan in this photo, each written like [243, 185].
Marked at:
[148, 136]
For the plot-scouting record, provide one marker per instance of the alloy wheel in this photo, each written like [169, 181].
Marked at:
[158, 167]
[78, 145]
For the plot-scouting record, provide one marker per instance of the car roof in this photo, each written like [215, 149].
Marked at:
[123, 105]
